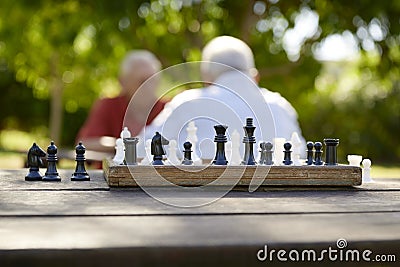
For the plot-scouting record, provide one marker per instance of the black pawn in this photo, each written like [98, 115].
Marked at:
[220, 139]
[318, 153]
[187, 154]
[34, 163]
[310, 153]
[331, 151]
[51, 174]
[266, 153]
[80, 173]
[249, 140]
[287, 159]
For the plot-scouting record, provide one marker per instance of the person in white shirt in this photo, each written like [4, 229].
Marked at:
[231, 97]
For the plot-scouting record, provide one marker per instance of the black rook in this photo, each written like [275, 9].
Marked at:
[331, 151]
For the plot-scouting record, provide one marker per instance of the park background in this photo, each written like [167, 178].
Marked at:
[337, 62]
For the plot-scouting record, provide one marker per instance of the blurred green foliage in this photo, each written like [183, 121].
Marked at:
[74, 48]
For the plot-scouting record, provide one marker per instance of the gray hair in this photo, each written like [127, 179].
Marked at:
[226, 50]
[135, 58]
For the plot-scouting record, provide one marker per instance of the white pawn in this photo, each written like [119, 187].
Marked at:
[278, 151]
[296, 148]
[354, 160]
[172, 158]
[119, 151]
[125, 133]
[236, 159]
[147, 158]
[192, 138]
[366, 171]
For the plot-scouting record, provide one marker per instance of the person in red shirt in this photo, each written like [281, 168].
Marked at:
[106, 118]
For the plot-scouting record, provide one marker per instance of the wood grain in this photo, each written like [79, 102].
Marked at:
[14, 180]
[122, 176]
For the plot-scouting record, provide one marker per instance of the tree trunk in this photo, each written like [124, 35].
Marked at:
[56, 107]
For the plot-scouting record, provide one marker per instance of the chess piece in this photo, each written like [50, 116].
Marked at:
[51, 174]
[310, 153]
[236, 159]
[147, 158]
[354, 160]
[249, 140]
[228, 151]
[157, 149]
[125, 133]
[172, 158]
[331, 151]
[287, 154]
[80, 173]
[366, 171]
[220, 140]
[192, 138]
[278, 144]
[34, 163]
[187, 154]
[119, 152]
[266, 153]
[130, 150]
[296, 147]
[318, 153]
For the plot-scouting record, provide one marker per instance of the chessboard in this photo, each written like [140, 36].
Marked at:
[226, 175]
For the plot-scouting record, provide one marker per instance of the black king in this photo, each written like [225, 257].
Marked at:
[249, 140]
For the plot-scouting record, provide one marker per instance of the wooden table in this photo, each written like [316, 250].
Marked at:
[89, 224]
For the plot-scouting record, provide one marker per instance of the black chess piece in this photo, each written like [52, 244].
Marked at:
[51, 174]
[130, 150]
[287, 159]
[266, 153]
[80, 173]
[249, 140]
[220, 140]
[34, 163]
[157, 149]
[331, 151]
[310, 153]
[187, 154]
[318, 153]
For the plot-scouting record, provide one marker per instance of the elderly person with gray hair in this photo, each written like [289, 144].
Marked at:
[231, 96]
[106, 117]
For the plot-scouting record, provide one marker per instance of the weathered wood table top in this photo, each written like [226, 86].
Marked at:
[89, 224]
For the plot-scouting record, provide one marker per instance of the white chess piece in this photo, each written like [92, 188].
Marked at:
[236, 159]
[278, 151]
[119, 151]
[192, 138]
[296, 147]
[125, 133]
[147, 158]
[354, 160]
[228, 151]
[172, 158]
[366, 171]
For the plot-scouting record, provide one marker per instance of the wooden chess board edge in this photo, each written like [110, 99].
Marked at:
[124, 176]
